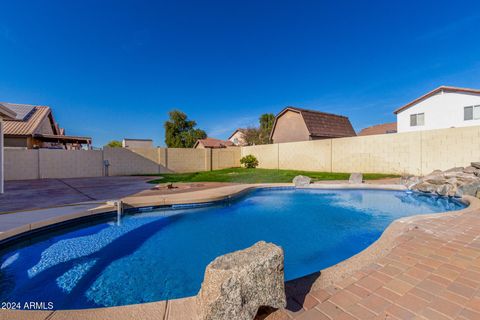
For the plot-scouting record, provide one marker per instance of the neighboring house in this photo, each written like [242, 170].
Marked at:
[212, 143]
[444, 107]
[137, 143]
[35, 127]
[5, 114]
[379, 129]
[296, 124]
[238, 137]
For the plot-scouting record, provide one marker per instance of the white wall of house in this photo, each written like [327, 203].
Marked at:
[443, 110]
[1, 157]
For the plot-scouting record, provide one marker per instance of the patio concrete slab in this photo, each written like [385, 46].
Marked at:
[45, 193]
[14, 220]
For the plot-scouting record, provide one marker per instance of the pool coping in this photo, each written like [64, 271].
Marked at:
[185, 308]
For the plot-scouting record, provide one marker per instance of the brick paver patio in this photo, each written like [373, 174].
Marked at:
[433, 273]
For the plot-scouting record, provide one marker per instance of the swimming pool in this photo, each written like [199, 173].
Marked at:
[162, 254]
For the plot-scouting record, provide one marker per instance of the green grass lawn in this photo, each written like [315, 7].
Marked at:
[242, 175]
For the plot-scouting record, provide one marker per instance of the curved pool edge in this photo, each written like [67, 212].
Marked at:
[390, 238]
[186, 308]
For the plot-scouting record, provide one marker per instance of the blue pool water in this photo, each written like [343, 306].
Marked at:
[162, 254]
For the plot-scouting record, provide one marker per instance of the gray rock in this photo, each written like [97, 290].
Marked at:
[435, 179]
[434, 172]
[466, 178]
[475, 164]
[410, 181]
[468, 189]
[301, 181]
[455, 169]
[238, 283]
[470, 170]
[425, 187]
[445, 190]
[356, 178]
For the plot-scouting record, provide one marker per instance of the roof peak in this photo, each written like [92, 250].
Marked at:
[310, 110]
[435, 91]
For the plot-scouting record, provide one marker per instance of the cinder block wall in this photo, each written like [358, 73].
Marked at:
[403, 153]
[47, 163]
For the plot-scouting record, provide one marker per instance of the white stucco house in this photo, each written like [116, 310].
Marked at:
[444, 107]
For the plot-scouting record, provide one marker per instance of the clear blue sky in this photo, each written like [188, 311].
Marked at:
[113, 69]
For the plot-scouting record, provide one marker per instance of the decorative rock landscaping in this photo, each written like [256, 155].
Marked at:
[456, 182]
[238, 283]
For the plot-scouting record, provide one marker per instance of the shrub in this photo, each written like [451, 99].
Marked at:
[249, 161]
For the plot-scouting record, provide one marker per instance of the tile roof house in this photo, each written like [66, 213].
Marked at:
[238, 137]
[297, 124]
[379, 129]
[35, 127]
[212, 143]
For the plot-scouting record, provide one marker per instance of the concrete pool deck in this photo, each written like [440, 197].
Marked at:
[425, 267]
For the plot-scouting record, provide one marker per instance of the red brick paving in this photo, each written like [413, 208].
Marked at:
[433, 273]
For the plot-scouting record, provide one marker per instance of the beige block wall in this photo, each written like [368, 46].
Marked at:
[447, 148]
[306, 155]
[186, 160]
[127, 162]
[387, 153]
[412, 153]
[403, 153]
[69, 163]
[21, 164]
[225, 158]
[267, 154]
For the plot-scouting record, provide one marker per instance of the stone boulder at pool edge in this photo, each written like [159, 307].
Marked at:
[356, 178]
[238, 283]
[301, 181]
[456, 182]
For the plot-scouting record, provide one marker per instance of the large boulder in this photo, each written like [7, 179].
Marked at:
[301, 181]
[446, 190]
[238, 283]
[435, 179]
[471, 170]
[425, 187]
[455, 169]
[475, 165]
[470, 189]
[356, 178]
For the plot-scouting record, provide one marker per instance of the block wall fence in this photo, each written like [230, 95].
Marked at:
[416, 153]
[47, 163]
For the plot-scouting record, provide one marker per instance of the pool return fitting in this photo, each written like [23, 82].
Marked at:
[118, 204]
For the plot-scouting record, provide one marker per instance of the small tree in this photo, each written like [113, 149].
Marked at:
[266, 123]
[181, 132]
[260, 135]
[114, 144]
[249, 161]
[252, 136]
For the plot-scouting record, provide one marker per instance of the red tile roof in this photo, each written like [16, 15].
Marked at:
[434, 92]
[213, 143]
[322, 124]
[379, 129]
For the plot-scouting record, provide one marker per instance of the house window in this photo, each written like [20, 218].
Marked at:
[471, 113]
[417, 119]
